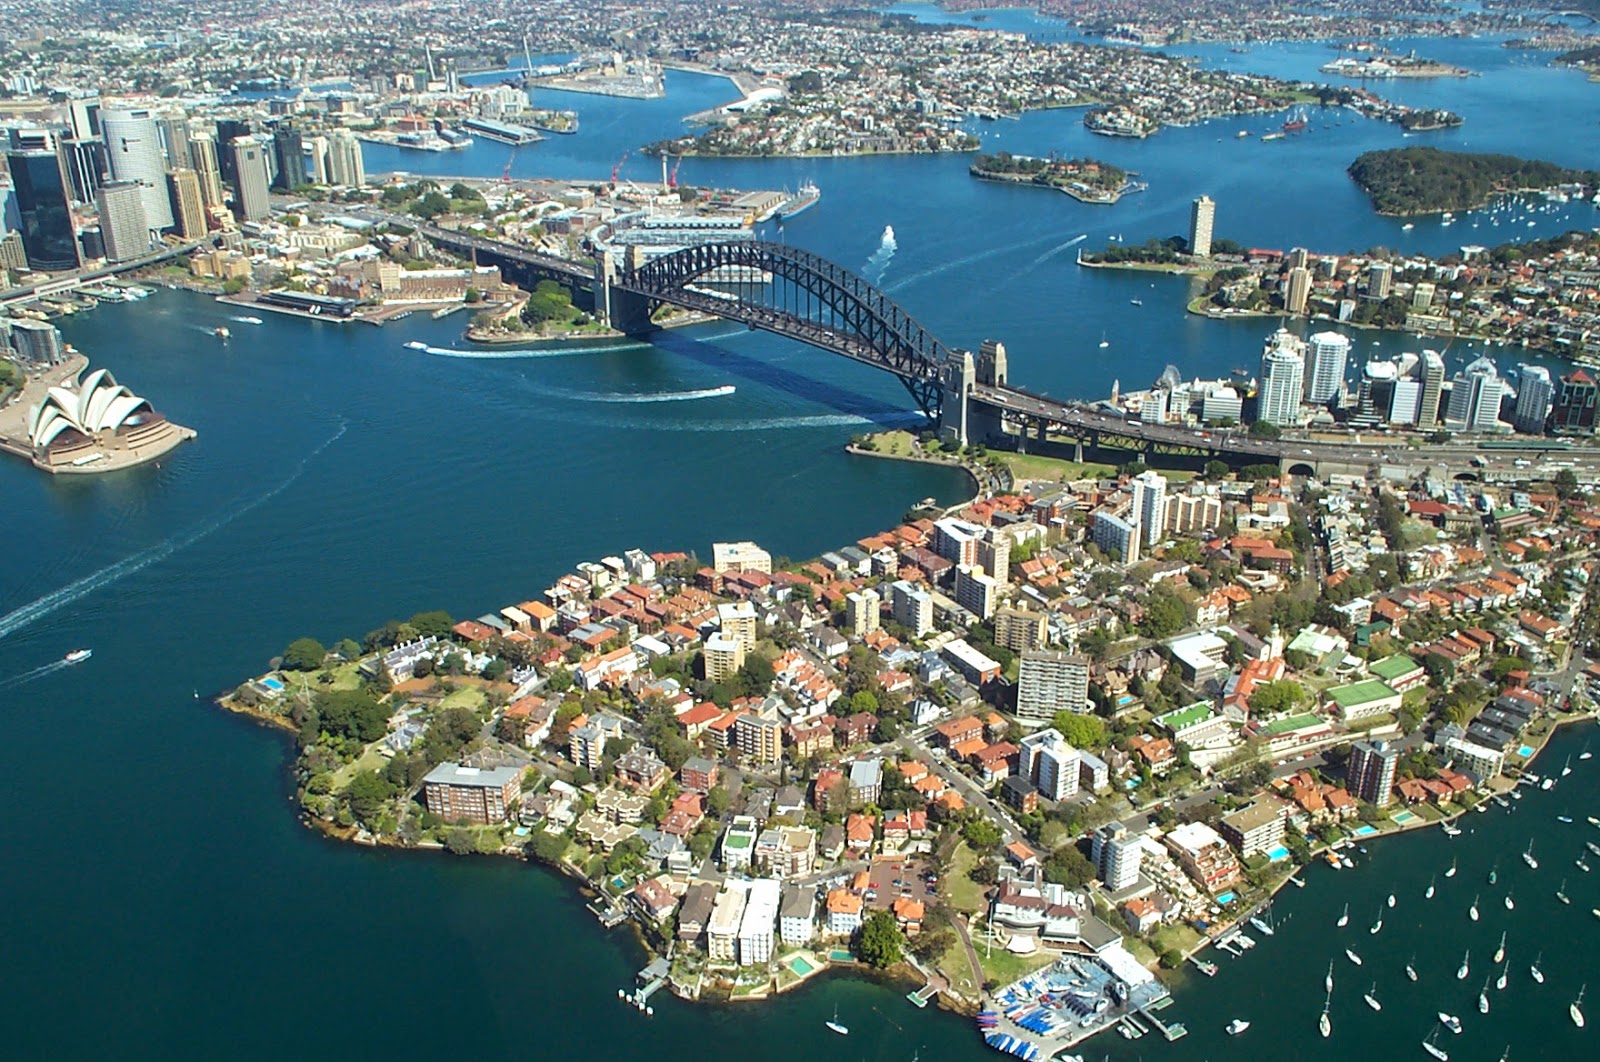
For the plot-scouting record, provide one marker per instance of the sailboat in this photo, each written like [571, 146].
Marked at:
[1483, 997]
[1434, 1049]
[1264, 924]
[1576, 1009]
[1462, 971]
[1527, 857]
[1325, 1026]
[1472, 912]
[1352, 956]
[1379, 923]
[1391, 899]
[1344, 919]
[1534, 971]
[1510, 904]
[1494, 874]
[1585, 754]
[1452, 871]
[1104, 342]
[1566, 768]
[1429, 894]
[1500, 982]
[1372, 998]
[842, 1030]
[1500, 952]
[1327, 982]
[1411, 968]
[1561, 892]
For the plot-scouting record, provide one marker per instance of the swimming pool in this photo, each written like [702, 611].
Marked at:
[800, 967]
[272, 684]
[1365, 831]
[1226, 898]
[1278, 854]
[1525, 751]
[1403, 818]
[841, 955]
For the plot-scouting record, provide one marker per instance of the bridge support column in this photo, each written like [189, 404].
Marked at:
[621, 309]
[955, 405]
[1077, 450]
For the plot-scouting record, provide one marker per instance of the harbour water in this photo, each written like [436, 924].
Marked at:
[159, 899]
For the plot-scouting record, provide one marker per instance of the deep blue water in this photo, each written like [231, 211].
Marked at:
[159, 899]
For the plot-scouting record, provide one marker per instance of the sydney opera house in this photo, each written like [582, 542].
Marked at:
[97, 425]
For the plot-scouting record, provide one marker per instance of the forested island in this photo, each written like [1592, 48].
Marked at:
[1585, 59]
[1086, 180]
[1424, 180]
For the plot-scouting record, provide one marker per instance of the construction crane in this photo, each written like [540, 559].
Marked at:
[505, 177]
[672, 181]
[618, 168]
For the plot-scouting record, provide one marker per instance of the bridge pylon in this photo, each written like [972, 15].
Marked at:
[626, 311]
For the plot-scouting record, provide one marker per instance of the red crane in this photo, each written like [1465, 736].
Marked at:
[505, 177]
[672, 181]
[618, 167]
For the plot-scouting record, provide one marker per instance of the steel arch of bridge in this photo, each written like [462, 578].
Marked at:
[828, 306]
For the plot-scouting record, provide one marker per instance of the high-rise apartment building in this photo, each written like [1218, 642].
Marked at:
[1049, 681]
[344, 160]
[1049, 764]
[203, 159]
[1282, 373]
[289, 148]
[1369, 773]
[123, 227]
[1202, 216]
[1535, 398]
[1149, 505]
[1020, 629]
[43, 194]
[133, 153]
[861, 612]
[316, 162]
[1328, 353]
[1576, 399]
[911, 607]
[1475, 396]
[1112, 532]
[1116, 856]
[1432, 390]
[1380, 278]
[976, 592]
[1297, 290]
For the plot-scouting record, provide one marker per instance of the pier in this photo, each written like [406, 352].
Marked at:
[651, 980]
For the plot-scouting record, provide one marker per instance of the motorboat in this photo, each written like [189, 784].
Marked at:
[1534, 971]
[1372, 997]
[1548, 784]
[1451, 1022]
[416, 344]
[1352, 956]
[1592, 847]
[1465, 967]
[1500, 952]
[1565, 820]
[1344, 919]
[834, 1025]
[1511, 904]
[78, 656]
[1237, 1026]
[1494, 874]
[221, 332]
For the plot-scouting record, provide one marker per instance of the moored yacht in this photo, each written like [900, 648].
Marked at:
[1575, 1010]
[1324, 1025]
[1472, 912]
[1500, 982]
[1411, 968]
[1429, 894]
[1451, 1022]
[1372, 997]
[1433, 1049]
[1452, 871]
[1494, 874]
[1527, 857]
[1344, 919]
[1534, 971]
[1464, 968]
[1561, 892]
[1237, 1026]
[1327, 982]
[1500, 952]
[1352, 956]
[1510, 903]
[1391, 899]
[1483, 997]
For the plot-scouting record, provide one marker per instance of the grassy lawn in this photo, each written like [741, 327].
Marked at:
[467, 697]
[956, 969]
[1414, 533]
[1003, 967]
[1179, 936]
[896, 443]
[1031, 466]
[1140, 950]
[368, 760]
[960, 891]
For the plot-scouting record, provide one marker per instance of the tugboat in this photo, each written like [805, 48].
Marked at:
[78, 656]
[1237, 1026]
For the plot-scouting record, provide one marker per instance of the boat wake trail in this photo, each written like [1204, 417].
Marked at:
[246, 320]
[561, 352]
[878, 264]
[661, 396]
[33, 611]
[957, 263]
[1057, 249]
[29, 676]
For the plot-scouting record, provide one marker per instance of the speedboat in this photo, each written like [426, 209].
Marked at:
[1451, 1022]
[221, 332]
[1534, 971]
[1344, 919]
[1500, 952]
[1372, 998]
[1352, 956]
[835, 1026]
[78, 656]
[1565, 820]
[1576, 1008]
[1463, 969]
[1237, 1026]
[416, 344]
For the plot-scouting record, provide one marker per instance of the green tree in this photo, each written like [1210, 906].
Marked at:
[460, 840]
[304, 654]
[1165, 613]
[367, 794]
[549, 847]
[981, 834]
[353, 714]
[1566, 482]
[718, 801]
[1080, 729]
[880, 943]
[1265, 429]
[864, 701]
[1274, 698]
[435, 623]
[1068, 866]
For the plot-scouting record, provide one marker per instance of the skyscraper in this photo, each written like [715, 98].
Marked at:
[1432, 390]
[250, 180]
[1282, 369]
[1475, 398]
[1370, 771]
[174, 130]
[188, 206]
[1050, 681]
[1297, 290]
[1535, 397]
[1202, 216]
[1116, 856]
[1575, 403]
[1150, 505]
[1379, 278]
[229, 130]
[289, 148]
[203, 158]
[122, 222]
[344, 160]
[43, 191]
[1329, 352]
[317, 159]
[83, 116]
[133, 153]
[85, 161]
